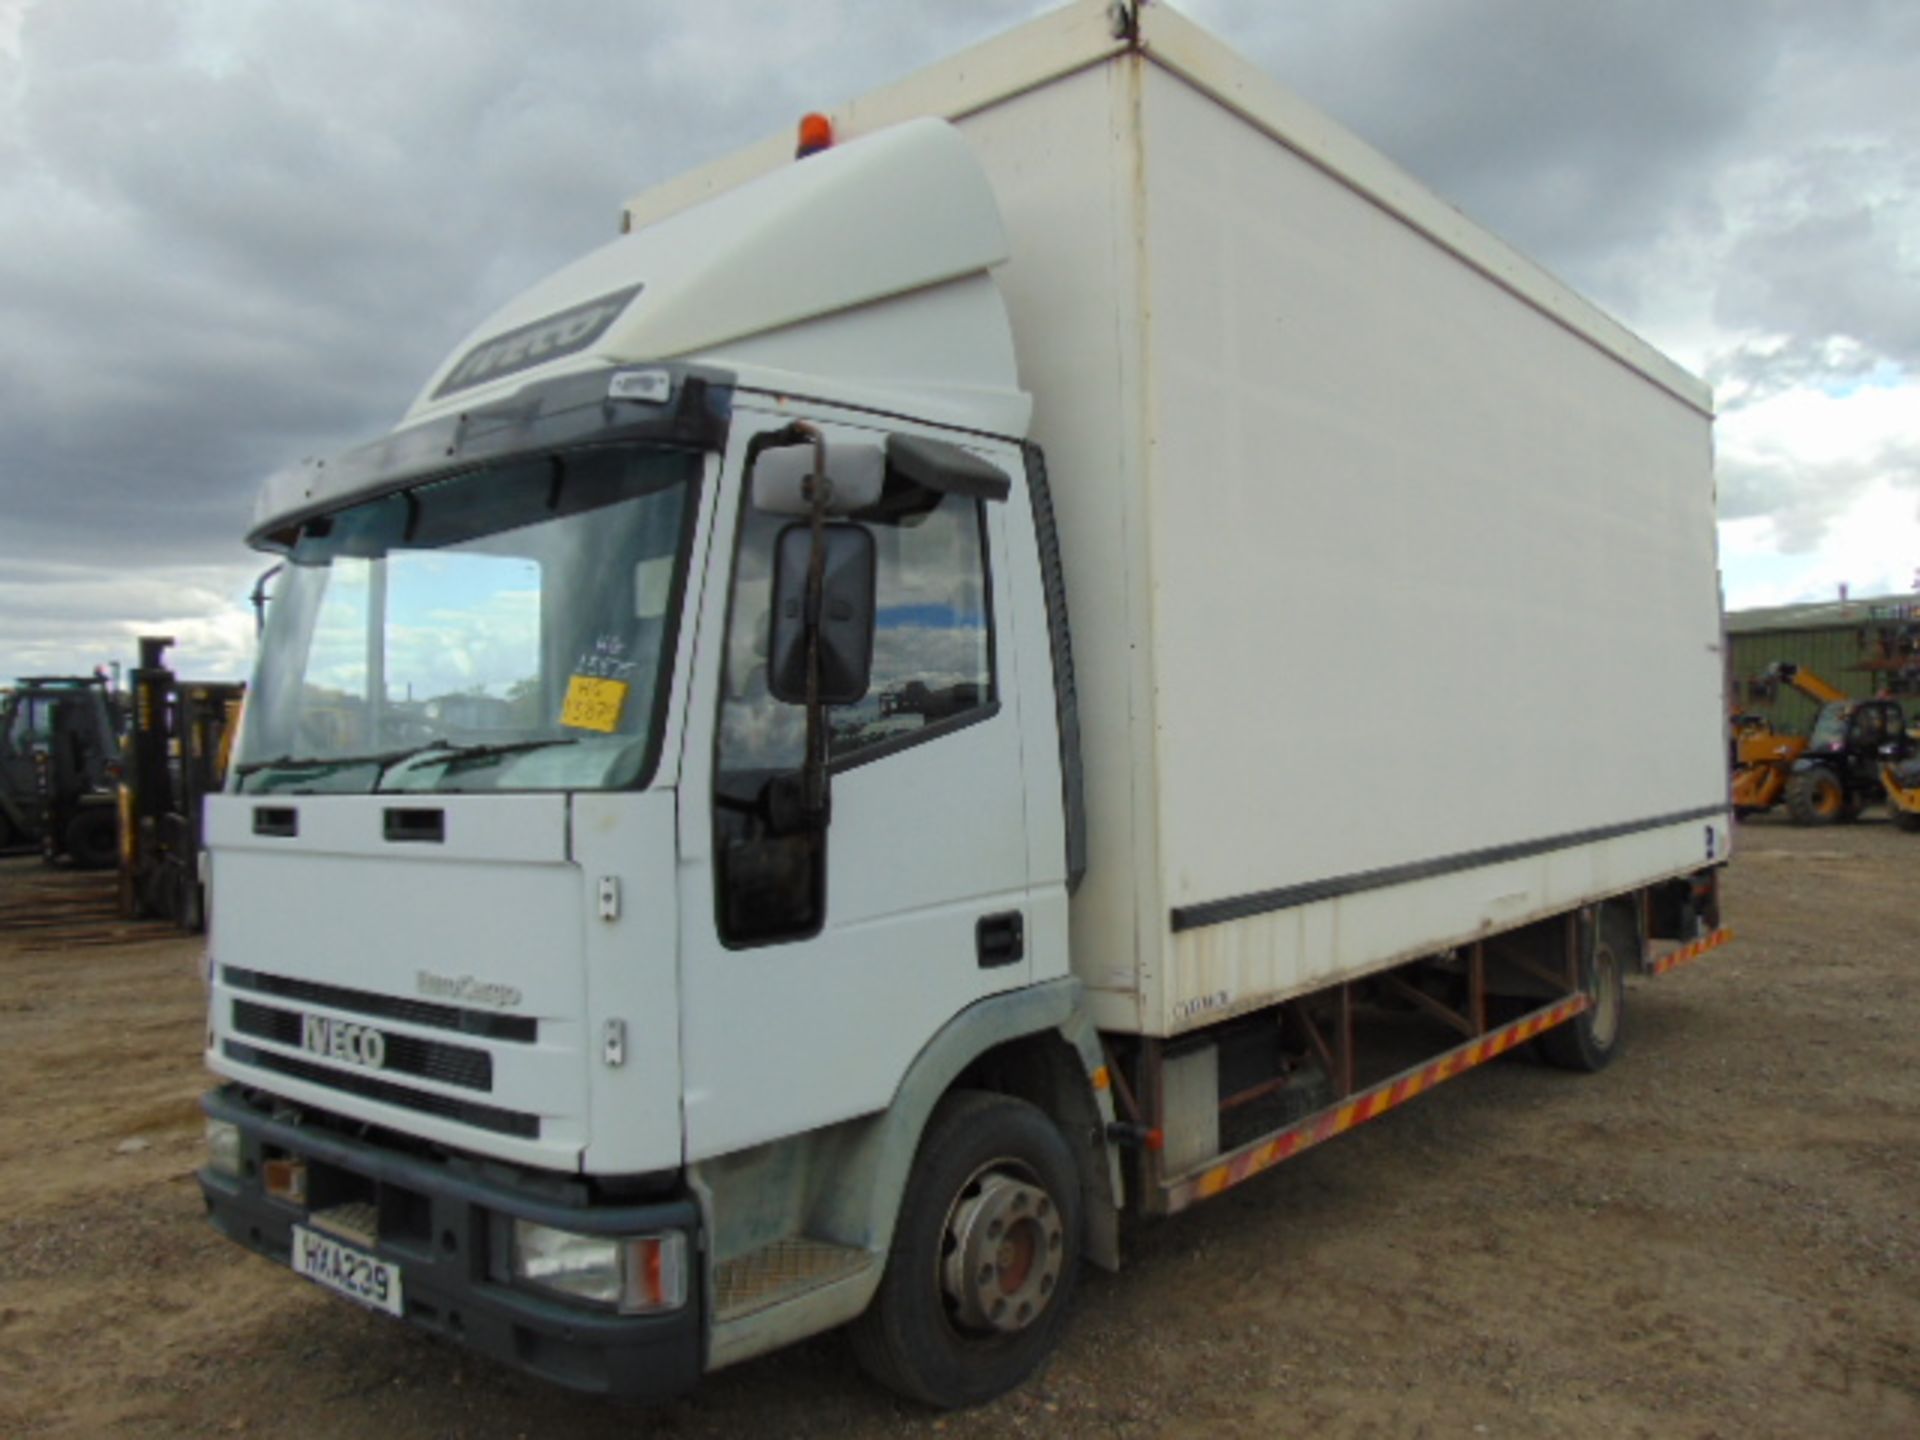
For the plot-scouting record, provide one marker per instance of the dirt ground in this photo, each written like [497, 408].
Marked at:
[1718, 1237]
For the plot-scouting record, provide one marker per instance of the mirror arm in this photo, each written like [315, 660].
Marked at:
[813, 777]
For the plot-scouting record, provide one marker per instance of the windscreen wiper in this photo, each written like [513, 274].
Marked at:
[463, 755]
[385, 760]
[381, 758]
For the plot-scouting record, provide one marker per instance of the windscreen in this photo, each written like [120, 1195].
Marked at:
[509, 628]
[1830, 728]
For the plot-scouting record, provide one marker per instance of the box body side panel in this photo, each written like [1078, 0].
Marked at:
[1431, 573]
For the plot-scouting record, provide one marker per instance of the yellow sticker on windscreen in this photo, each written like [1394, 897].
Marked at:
[594, 704]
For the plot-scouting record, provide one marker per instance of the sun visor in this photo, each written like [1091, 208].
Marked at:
[939, 466]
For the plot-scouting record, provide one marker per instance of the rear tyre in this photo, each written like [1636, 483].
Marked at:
[1815, 797]
[1590, 1040]
[93, 839]
[1907, 820]
[984, 1258]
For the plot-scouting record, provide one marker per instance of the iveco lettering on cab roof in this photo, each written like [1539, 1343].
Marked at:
[930, 761]
[552, 338]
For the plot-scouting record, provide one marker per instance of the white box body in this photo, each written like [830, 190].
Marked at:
[1391, 563]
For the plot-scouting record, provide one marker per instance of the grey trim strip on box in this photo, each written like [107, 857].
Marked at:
[1262, 902]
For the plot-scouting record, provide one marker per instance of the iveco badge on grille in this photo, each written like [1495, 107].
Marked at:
[341, 1040]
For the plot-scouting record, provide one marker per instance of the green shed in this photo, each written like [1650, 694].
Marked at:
[1865, 647]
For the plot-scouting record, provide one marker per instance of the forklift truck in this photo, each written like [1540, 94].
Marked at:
[176, 755]
[59, 746]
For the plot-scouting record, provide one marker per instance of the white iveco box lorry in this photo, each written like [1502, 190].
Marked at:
[1080, 639]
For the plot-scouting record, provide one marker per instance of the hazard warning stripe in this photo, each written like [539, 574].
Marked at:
[1250, 1160]
[1673, 960]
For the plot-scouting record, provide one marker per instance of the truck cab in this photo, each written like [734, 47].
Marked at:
[566, 960]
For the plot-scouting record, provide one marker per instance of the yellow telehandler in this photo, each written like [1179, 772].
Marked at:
[1762, 756]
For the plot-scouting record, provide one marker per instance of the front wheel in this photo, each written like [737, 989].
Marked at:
[1590, 1040]
[1815, 797]
[93, 839]
[984, 1258]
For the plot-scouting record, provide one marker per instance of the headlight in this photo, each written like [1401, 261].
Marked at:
[634, 1274]
[223, 1148]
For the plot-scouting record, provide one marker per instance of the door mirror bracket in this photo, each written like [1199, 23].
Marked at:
[820, 641]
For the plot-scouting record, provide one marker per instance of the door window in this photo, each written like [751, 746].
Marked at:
[933, 672]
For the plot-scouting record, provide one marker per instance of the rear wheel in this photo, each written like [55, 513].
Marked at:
[1590, 1040]
[984, 1258]
[1815, 797]
[1908, 820]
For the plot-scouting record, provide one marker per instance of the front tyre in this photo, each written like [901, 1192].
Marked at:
[93, 839]
[1590, 1040]
[984, 1258]
[1815, 797]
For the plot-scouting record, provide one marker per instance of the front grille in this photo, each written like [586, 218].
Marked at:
[405, 1054]
[467, 1112]
[522, 1029]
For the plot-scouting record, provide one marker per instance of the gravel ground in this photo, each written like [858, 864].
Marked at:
[1717, 1237]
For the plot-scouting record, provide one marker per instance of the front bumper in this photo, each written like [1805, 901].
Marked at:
[448, 1231]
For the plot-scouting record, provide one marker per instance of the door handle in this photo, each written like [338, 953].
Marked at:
[1000, 939]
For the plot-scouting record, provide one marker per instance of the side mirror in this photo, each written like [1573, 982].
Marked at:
[783, 478]
[846, 615]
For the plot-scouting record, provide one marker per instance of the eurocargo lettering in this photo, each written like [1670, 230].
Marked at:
[1031, 664]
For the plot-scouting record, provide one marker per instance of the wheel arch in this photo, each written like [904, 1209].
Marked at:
[1035, 1045]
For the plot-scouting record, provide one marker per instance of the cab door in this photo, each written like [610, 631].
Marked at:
[816, 965]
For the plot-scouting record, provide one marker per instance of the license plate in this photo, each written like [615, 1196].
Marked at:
[346, 1271]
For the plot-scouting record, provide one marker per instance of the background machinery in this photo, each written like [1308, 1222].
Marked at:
[59, 760]
[1762, 756]
[176, 755]
[1901, 779]
[1845, 763]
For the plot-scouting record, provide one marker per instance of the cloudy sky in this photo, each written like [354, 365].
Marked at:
[238, 232]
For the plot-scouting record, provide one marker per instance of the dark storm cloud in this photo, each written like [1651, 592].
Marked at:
[233, 233]
[1574, 131]
[1831, 256]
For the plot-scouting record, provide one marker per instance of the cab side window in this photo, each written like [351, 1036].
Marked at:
[933, 671]
[933, 647]
[32, 723]
[932, 651]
